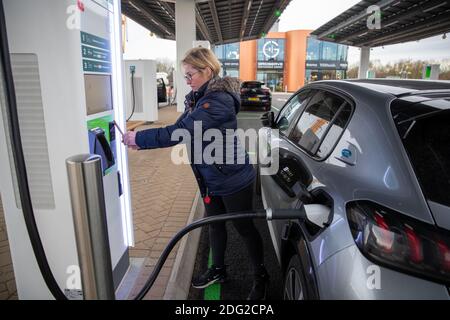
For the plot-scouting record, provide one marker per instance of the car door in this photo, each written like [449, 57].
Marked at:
[273, 195]
[301, 151]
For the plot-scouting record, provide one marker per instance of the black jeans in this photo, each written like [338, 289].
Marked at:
[236, 202]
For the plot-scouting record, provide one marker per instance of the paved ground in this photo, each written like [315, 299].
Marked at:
[7, 282]
[162, 197]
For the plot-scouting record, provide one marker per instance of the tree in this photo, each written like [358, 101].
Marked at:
[164, 65]
[405, 69]
[445, 75]
[167, 66]
[352, 73]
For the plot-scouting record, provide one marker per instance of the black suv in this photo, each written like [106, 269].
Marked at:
[255, 94]
[162, 91]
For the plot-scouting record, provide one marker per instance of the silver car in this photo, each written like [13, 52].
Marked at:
[369, 163]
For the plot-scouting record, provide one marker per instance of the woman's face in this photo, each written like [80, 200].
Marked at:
[196, 78]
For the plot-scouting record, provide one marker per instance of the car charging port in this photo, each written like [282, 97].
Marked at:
[319, 212]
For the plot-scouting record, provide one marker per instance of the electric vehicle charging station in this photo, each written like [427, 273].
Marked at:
[67, 68]
[431, 72]
[140, 90]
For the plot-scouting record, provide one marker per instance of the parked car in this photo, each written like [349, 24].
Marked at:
[164, 76]
[162, 90]
[255, 94]
[369, 163]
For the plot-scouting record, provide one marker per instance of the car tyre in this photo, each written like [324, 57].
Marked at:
[295, 281]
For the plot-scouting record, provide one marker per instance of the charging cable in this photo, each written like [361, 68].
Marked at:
[133, 71]
[268, 214]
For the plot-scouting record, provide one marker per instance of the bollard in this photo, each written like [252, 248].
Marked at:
[91, 231]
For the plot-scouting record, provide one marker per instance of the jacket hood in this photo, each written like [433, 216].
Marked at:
[229, 85]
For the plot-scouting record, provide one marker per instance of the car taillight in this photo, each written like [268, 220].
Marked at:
[396, 241]
[385, 238]
[445, 255]
[266, 90]
[244, 90]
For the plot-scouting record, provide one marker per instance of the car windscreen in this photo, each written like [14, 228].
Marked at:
[425, 132]
[252, 85]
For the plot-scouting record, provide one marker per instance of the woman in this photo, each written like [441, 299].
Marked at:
[226, 183]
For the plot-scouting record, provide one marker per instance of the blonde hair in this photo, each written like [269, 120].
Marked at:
[202, 58]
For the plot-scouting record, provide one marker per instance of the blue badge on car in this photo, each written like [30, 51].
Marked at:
[346, 153]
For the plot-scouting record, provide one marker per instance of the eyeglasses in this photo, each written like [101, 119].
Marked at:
[188, 77]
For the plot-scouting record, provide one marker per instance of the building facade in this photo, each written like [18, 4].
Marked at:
[284, 61]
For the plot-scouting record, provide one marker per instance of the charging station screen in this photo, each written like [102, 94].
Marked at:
[98, 93]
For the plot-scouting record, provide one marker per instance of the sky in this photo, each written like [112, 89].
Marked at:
[303, 14]
[141, 44]
[299, 14]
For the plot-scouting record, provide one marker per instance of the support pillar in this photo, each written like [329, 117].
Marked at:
[185, 37]
[364, 60]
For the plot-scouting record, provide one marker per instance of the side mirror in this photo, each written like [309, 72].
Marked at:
[268, 119]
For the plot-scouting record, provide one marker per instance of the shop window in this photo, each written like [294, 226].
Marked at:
[340, 74]
[272, 79]
[218, 51]
[328, 75]
[313, 49]
[232, 51]
[312, 75]
[342, 52]
[329, 51]
[234, 73]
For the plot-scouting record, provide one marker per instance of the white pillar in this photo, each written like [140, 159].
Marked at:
[185, 37]
[364, 60]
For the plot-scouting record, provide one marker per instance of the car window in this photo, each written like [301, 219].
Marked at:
[424, 131]
[335, 131]
[287, 114]
[314, 121]
[252, 85]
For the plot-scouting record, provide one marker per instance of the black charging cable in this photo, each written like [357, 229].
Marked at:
[133, 95]
[268, 214]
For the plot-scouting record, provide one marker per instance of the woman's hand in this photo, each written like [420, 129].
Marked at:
[129, 139]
